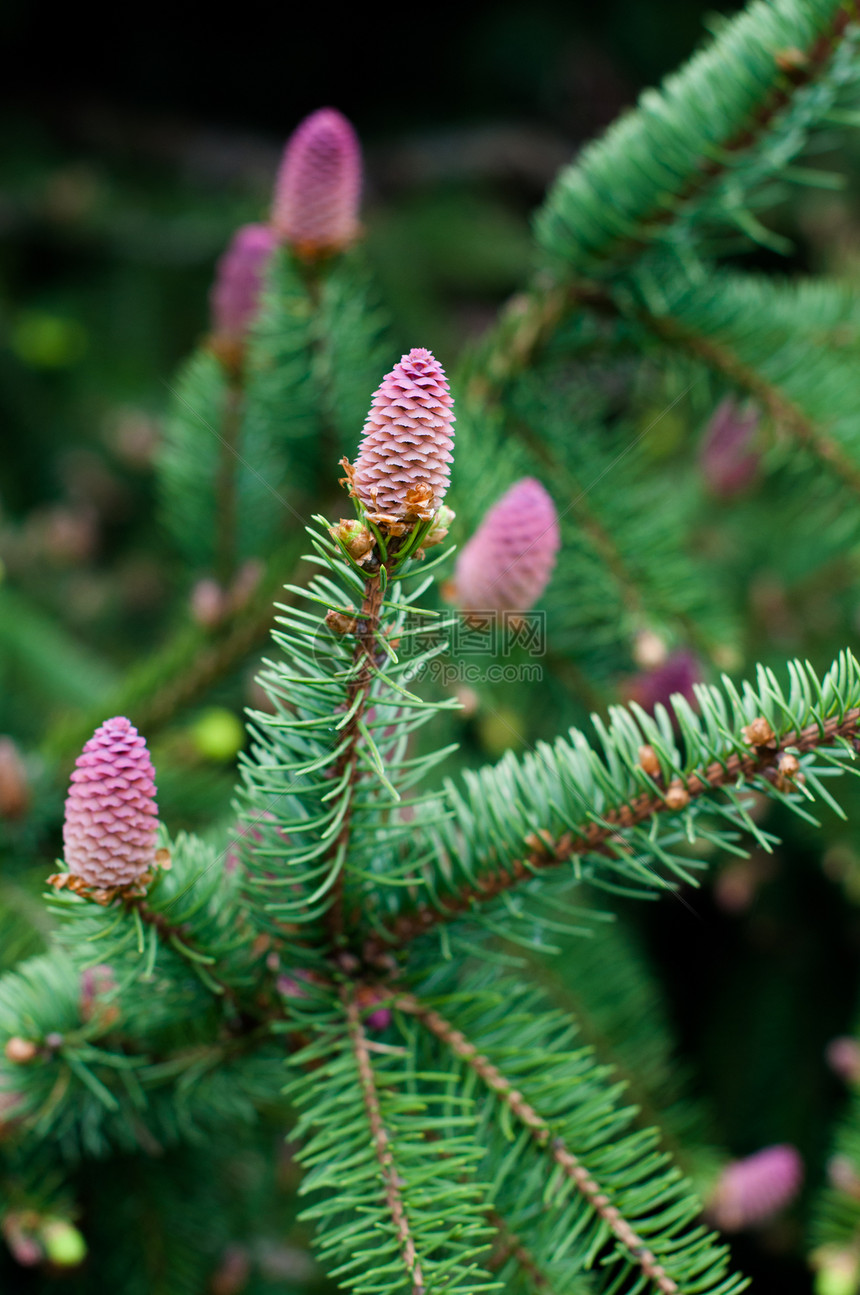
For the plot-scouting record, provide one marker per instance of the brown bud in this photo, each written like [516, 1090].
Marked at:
[439, 530]
[339, 623]
[677, 796]
[758, 732]
[14, 792]
[541, 842]
[356, 539]
[648, 761]
[20, 1051]
[787, 771]
[791, 59]
[649, 650]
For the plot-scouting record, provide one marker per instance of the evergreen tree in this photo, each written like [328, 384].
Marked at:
[397, 959]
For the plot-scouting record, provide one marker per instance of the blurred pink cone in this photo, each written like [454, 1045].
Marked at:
[726, 457]
[752, 1191]
[235, 295]
[318, 187]
[507, 563]
[843, 1058]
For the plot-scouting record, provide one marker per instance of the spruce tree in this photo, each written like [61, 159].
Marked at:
[380, 1004]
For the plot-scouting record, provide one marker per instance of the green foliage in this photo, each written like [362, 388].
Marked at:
[691, 161]
[564, 1227]
[429, 1170]
[328, 770]
[214, 448]
[415, 963]
[597, 813]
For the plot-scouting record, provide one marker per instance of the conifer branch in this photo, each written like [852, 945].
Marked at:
[592, 837]
[510, 1246]
[178, 937]
[184, 669]
[541, 1133]
[711, 118]
[226, 481]
[532, 317]
[381, 1143]
[785, 412]
[357, 694]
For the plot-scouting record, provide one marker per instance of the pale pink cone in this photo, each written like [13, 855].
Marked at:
[727, 456]
[752, 1191]
[111, 815]
[235, 296]
[318, 187]
[507, 563]
[402, 464]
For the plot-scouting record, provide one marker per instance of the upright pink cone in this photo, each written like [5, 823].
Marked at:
[111, 815]
[235, 295]
[727, 456]
[507, 563]
[318, 187]
[402, 465]
[752, 1191]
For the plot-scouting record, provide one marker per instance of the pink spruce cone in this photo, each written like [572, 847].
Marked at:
[726, 457]
[402, 465]
[318, 187]
[507, 563]
[752, 1191]
[235, 296]
[111, 814]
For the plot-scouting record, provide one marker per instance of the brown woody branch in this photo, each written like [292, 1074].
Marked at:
[547, 852]
[381, 1143]
[541, 1133]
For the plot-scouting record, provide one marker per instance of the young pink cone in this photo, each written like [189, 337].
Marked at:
[726, 457]
[235, 296]
[507, 563]
[318, 187]
[752, 1191]
[111, 815]
[402, 466]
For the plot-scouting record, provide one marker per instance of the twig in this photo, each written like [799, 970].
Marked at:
[591, 838]
[381, 1142]
[784, 412]
[357, 694]
[542, 1134]
[512, 1247]
[225, 485]
[531, 318]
